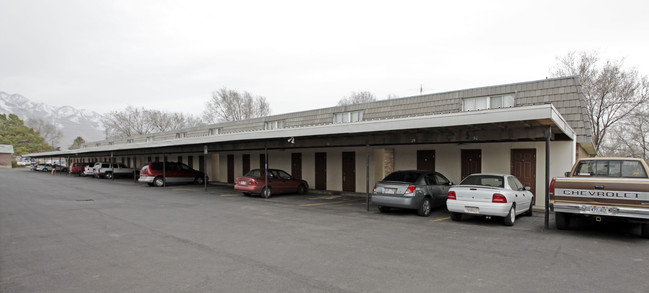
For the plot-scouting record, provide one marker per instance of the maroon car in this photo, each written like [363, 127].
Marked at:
[254, 182]
[77, 168]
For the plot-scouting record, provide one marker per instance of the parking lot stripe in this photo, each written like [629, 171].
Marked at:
[326, 203]
[230, 195]
[440, 219]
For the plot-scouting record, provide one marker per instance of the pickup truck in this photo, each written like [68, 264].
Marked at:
[604, 189]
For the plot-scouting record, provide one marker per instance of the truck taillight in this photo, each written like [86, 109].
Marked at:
[551, 192]
[451, 195]
[498, 198]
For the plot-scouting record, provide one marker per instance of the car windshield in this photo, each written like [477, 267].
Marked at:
[484, 180]
[410, 177]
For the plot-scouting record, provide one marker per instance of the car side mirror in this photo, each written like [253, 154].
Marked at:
[450, 183]
[527, 188]
[567, 174]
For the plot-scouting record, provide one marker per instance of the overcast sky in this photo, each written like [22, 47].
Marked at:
[300, 55]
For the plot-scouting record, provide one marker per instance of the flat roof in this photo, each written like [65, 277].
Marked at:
[503, 115]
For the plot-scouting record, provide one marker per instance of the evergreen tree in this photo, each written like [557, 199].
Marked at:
[24, 139]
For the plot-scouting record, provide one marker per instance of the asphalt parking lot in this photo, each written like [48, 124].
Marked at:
[72, 234]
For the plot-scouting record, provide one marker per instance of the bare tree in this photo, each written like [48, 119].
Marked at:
[230, 105]
[133, 121]
[47, 131]
[611, 91]
[631, 136]
[357, 98]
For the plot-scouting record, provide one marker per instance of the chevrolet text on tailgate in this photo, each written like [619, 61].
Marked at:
[603, 189]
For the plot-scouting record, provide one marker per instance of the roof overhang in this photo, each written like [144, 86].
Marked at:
[540, 115]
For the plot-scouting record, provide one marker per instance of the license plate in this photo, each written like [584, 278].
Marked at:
[242, 182]
[598, 209]
[390, 190]
[472, 210]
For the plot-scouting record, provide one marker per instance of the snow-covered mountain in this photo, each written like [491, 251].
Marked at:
[72, 122]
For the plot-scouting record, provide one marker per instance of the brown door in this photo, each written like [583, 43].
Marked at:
[321, 171]
[349, 171]
[230, 168]
[523, 166]
[245, 163]
[426, 160]
[471, 162]
[262, 161]
[296, 165]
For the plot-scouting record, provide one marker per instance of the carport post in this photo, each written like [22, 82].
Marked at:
[68, 164]
[548, 133]
[265, 169]
[205, 167]
[367, 179]
[164, 170]
[112, 168]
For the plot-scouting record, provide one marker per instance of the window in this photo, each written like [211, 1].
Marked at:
[181, 134]
[276, 124]
[347, 117]
[613, 168]
[491, 102]
[214, 131]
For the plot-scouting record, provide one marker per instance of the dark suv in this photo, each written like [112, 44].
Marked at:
[152, 174]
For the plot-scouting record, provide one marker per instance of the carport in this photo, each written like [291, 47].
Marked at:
[539, 125]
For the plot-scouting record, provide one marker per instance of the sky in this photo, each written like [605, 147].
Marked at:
[300, 55]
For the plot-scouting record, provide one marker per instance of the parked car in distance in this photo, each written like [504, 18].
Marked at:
[254, 182]
[88, 170]
[108, 170]
[157, 174]
[499, 195]
[39, 167]
[77, 168]
[411, 189]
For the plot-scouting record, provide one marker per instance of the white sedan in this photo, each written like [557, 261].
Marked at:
[499, 195]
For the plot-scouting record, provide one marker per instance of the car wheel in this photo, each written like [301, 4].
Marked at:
[301, 189]
[266, 193]
[562, 220]
[425, 208]
[383, 209]
[644, 230]
[199, 180]
[108, 175]
[159, 181]
[456, 216]
[511, 217]
[530, 212]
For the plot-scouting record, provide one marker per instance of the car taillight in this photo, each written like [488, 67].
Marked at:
[410, 191]
[374, 190]
[451, 195]
[498, 198]
[252, 182]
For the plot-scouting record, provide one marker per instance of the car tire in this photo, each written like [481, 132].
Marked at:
[159, 181]
[644, 230]
[383, 209]
[511, 217]
[301, 189]
[266, 192]
[530, 211]
[199, 180]
[108, 175]
[456, 216]
[425, 208]
[562, 220]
